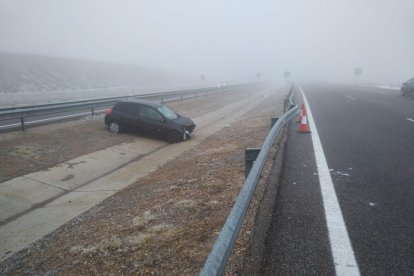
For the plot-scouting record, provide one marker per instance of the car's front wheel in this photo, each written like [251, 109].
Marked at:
[173, 137]
[114, 127]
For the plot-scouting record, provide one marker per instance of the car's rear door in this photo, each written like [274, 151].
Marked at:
[129, 115]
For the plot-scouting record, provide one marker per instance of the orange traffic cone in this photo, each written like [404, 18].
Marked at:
[304, 126]
[302, 113]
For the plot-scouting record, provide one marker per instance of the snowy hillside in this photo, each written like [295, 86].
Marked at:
[32, 73]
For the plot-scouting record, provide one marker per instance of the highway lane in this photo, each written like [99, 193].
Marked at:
[368, 140]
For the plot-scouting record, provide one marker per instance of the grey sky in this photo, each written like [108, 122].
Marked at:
[324, 39]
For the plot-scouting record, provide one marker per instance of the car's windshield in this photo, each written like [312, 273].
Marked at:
[168, 113]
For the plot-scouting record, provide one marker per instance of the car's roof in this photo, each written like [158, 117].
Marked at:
[141, 101]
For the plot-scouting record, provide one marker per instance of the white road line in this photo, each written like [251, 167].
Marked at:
[411, 120]
[341, 248]
[350, 97]
[374, 91]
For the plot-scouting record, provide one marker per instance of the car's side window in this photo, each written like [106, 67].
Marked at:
[118, 106]
[131, 109]
[149, 113]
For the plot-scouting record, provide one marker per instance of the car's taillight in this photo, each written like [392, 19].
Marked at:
[109, 111]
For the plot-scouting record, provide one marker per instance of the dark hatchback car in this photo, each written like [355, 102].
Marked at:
[407, 88]
[149, 117]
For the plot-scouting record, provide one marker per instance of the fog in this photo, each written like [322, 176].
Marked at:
[227, 40]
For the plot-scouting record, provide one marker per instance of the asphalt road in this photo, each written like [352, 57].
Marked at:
[367, 137]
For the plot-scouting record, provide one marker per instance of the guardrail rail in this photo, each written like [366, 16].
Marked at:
[14, 118]
[218, 258]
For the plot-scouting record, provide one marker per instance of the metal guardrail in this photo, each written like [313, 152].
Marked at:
[217, 260]
[17, 115]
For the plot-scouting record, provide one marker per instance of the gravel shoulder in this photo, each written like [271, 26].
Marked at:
[164, 224]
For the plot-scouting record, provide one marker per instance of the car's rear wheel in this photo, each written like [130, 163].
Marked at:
[114, 127]
[173, 137]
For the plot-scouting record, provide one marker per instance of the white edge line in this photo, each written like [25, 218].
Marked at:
[341, 248]
[411, 120]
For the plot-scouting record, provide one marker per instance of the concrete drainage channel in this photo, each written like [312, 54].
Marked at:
[218, 257]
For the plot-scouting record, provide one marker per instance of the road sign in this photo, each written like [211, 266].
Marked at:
[287, 74]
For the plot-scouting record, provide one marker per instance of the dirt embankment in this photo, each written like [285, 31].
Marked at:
[166, 223]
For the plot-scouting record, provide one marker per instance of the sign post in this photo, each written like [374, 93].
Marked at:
[286, 74]
[357, 72]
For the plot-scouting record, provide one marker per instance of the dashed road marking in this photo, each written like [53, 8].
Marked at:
[350, 97]
[341, 248]
[411, 120]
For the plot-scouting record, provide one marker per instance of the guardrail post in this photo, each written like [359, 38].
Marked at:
[162, 100]
[286, 104]
[273, 121]
[93, 111]
[250, 155]
[22, 122]
[181, 97]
